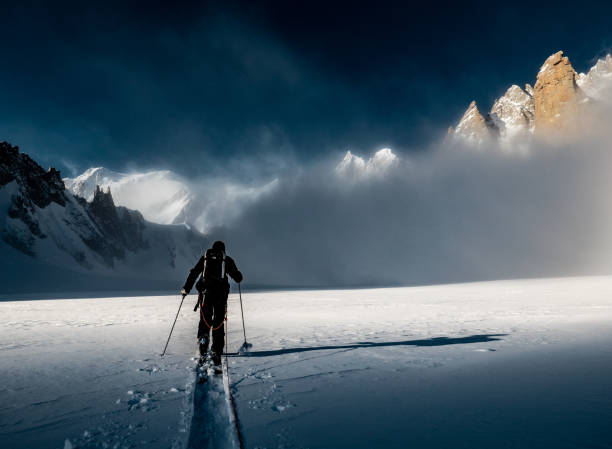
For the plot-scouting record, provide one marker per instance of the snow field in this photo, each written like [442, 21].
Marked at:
[438, 366]
[509, 363]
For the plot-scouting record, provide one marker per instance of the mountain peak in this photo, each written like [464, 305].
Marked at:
[356, 167]
[84, 184]
[512, 114]
[46, 222]
[554, 103]
[472, 127]
[556, 93]
[597, 82]
[553, 60]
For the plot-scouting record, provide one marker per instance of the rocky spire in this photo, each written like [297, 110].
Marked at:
[556, 94]
[102, 210]
[561, 102]
[472, 127]
[513, 114]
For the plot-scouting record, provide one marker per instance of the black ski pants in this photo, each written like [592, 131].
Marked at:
[212, 319]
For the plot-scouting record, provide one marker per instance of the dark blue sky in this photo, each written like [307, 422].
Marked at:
[205, 84]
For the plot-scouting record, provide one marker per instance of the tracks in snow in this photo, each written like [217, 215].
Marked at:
[214, 423]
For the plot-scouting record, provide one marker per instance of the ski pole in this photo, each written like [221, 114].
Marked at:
[245, 345]
[175, 318]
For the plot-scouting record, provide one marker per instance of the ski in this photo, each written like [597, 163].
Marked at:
[202, 370]
[206, 367]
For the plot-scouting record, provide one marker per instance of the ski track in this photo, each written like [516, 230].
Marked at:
[212, 418]
[87, 372]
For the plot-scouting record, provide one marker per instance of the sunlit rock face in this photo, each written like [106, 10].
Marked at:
[559, 104]
[556, 94]
[473, 128]
[513, 115]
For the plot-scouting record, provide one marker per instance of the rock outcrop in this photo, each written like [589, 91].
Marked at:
[556, 94]
[473, 128]
[46, 222]
[512, 115]
[556, 102]
[41, 187]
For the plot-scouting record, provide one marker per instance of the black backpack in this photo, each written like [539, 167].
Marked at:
[214, 267]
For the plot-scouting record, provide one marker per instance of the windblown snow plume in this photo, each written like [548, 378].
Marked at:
[160, 196]
[164, 197]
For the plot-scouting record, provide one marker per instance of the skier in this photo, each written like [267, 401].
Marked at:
[213, 289]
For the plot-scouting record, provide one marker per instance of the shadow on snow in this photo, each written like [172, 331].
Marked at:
[437, 341]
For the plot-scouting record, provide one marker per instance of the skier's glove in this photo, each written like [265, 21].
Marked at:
[183, 292]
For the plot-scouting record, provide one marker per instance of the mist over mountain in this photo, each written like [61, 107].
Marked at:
[532, 200]
[522, 191]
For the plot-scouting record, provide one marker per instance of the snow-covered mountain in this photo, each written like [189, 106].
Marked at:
[355, 167]
[159, 195]
[42, 224]
[163, 197]
[513, 115]
[553, 105]
[597, 83]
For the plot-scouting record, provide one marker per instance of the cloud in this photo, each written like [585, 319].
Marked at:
[72, 168]
[445, 214]
[215, 202]
[448, 215]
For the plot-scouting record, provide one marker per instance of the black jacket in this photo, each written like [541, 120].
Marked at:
[230, 268]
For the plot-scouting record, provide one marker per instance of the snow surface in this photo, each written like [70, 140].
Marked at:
[213, 423]
[498, 364]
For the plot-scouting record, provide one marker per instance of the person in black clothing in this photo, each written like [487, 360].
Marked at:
[213, 289]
